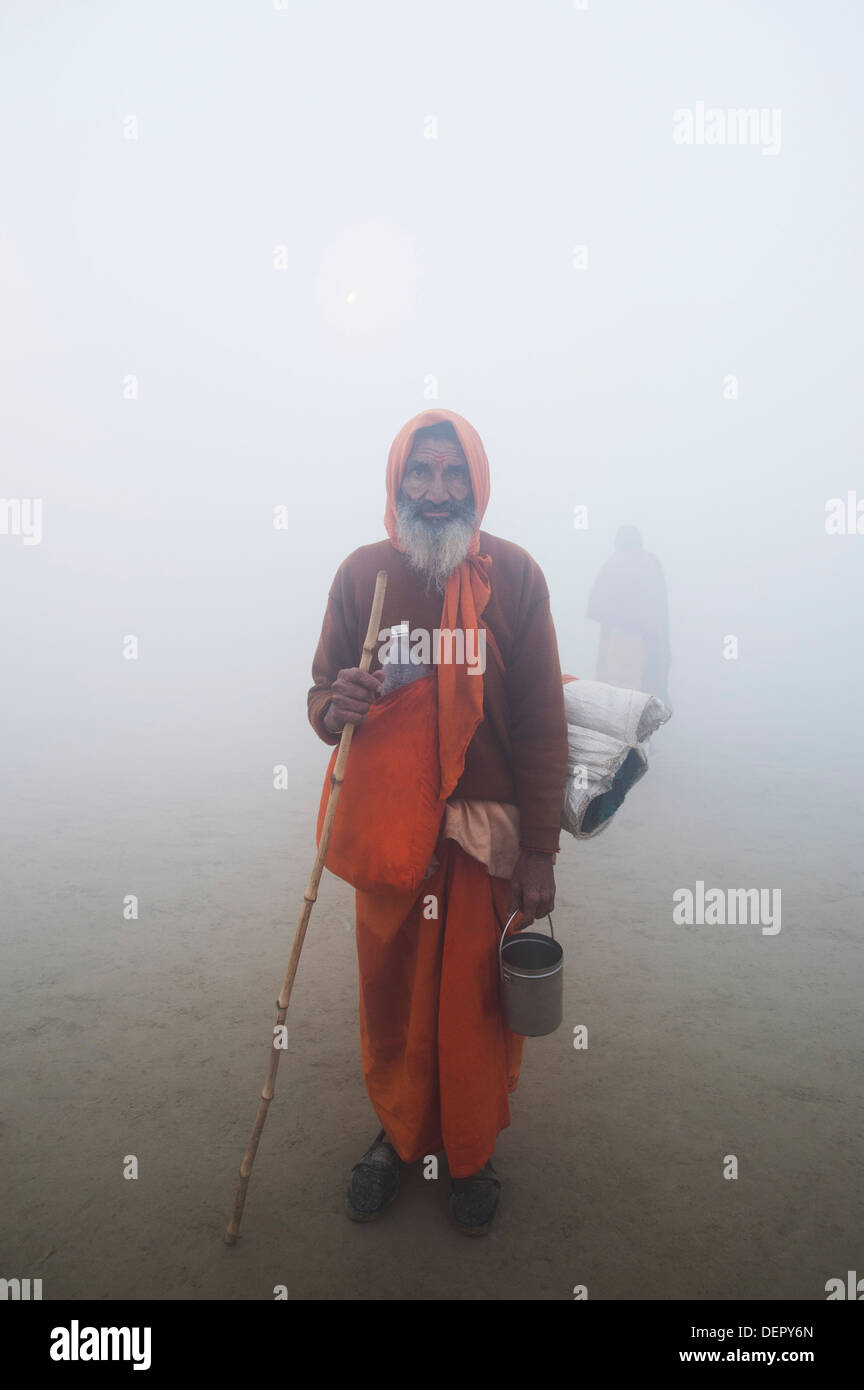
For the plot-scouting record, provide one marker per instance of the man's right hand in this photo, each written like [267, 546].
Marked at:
[353, 691]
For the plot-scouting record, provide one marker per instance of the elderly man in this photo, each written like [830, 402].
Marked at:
[438, 1060]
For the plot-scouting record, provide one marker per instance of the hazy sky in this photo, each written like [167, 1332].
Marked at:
[282, 260]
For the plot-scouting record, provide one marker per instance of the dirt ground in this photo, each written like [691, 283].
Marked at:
[150, 1038]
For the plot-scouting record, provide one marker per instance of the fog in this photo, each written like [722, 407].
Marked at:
[240, 245]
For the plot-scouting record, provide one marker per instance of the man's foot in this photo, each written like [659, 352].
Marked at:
[374, 1181]
[474, 1201]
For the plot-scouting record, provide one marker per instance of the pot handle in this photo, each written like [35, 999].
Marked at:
[504, 933]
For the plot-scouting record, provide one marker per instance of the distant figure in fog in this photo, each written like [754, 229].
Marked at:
[629, 601]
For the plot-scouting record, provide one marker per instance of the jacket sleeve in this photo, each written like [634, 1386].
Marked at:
[538, 725]
[336, 650]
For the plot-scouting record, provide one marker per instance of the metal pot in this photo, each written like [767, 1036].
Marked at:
[531, 967]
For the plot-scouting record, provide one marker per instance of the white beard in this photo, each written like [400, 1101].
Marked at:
[435, 548]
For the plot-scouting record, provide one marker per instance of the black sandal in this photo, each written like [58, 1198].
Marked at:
[474, 1201]
[374, 1180]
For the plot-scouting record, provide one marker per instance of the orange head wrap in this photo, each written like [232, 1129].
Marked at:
[475, 457]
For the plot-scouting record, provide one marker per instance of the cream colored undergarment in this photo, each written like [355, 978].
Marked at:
[487, 830]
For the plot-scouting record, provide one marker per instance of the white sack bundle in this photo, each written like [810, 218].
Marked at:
[607, 732]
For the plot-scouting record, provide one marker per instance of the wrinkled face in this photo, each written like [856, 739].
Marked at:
[436, 477]
[435, 507]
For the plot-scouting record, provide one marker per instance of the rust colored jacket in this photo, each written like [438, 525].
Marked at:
[518, 753]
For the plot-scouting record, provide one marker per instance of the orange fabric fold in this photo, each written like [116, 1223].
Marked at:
[460, 695]
[438, 1060]
[389, 812]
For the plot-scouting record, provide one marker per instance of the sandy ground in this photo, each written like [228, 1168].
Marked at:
[150, 1038]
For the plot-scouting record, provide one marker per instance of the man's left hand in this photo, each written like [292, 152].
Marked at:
[532, 887]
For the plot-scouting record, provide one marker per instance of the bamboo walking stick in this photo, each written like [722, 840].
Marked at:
[336, 779]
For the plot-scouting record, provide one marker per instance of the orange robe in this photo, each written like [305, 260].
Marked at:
[438, 1061]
